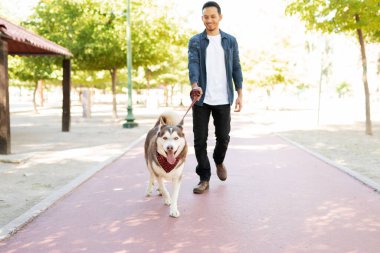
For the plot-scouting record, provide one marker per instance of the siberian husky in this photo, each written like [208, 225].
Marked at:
[165, 154]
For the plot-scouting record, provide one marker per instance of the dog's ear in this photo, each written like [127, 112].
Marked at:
[180, 124]
[162, 121]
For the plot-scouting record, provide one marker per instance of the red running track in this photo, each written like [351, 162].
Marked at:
[277, 198]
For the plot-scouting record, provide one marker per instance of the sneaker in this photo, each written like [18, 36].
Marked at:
[201, 187]
[221, 171]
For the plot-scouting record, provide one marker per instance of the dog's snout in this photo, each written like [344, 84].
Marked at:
[170, 148]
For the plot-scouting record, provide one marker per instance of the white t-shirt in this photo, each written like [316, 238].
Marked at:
[216, 90]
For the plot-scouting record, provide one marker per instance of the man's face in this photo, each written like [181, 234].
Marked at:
[211, 18]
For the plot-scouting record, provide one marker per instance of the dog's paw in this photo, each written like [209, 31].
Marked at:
[167, 201]
[174, 213]
[149, 192]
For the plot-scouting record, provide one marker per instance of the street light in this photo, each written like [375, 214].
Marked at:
[130, 118]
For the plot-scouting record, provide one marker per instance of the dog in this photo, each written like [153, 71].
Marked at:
[165, 154]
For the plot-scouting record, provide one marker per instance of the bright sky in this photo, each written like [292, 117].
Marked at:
[18, 9]
[253, 22]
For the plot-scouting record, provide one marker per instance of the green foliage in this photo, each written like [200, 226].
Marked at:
[271, 70]
[302, 86]
[157, 41]
[95, 32]
[31, 68]
[343, 89]
[89, 29]
[94, 79]
[349, 16]
[335, 16]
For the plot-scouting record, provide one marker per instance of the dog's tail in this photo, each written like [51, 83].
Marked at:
[169, 118]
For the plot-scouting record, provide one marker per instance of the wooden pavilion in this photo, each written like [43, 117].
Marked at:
[15, 40]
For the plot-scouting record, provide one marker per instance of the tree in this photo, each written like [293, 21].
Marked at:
[352, 16]
[95, 33]
[173, 71]
[32, 69]
[271, 70]
[156, 39]
[90, 29]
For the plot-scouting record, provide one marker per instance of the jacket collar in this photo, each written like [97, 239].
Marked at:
[204, 34]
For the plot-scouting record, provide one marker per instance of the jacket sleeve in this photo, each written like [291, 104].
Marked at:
[237, 74]
[193, 60]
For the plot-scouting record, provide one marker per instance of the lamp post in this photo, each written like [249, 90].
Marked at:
[130, 118]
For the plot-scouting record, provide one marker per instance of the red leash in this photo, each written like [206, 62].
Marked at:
[188, 109]
[195, 93]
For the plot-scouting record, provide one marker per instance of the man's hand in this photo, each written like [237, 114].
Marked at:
[238, 104]
[196, 93]
[239, 101]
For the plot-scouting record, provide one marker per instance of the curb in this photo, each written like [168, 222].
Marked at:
[18, 223]
[364, 180]
[15, 158]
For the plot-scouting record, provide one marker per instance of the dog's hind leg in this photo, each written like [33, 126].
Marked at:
[164, 191]
[174, 208]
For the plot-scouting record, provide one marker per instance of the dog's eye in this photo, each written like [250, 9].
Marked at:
[165, 138]
[176, 138]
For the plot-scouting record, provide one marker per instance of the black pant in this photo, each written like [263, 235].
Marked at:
[222, 123]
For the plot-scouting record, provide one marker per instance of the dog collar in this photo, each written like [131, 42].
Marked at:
[165, 164]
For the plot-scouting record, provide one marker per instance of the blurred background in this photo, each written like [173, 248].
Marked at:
[296, 57]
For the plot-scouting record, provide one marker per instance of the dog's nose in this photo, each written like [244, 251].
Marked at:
[170, 148]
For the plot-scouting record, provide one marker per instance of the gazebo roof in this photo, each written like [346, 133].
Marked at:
[23, 42]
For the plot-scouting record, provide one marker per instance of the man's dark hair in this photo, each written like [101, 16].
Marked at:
[212, 4]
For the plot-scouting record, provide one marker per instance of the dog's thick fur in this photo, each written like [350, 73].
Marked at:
[167, 139]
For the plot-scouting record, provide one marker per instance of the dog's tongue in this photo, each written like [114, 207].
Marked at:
[170, 157]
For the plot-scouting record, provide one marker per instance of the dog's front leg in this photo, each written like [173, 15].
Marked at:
[174, 208]
[150, 184]
[164, 192]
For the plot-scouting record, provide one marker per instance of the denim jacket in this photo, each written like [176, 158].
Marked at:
[197, 63]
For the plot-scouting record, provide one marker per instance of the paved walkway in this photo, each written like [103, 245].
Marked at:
[277, 198]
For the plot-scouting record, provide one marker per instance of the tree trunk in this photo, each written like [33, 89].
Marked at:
[378, 83]
[171, 94]
[114, 102]
[181, 103]
[368, 124]
[34, 97]
[41, 92]
[166, 95]
[148, 74]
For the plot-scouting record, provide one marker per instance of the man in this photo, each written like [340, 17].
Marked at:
[214, 73]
